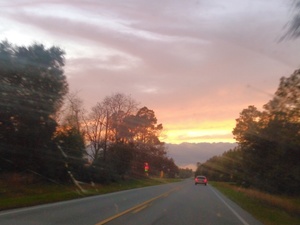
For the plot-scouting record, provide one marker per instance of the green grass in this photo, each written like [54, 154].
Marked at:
[29, 195]
[20, 195]
[269, 209]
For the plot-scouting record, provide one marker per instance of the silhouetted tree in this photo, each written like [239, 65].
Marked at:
[119, 158]
[72, 147]
[286, 100]
[104, 125]
[32, 87]
[95, 127]
[268, 144]
[71, 114]
[185, 173]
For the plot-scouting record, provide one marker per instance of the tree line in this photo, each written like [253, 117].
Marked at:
[45, 131]
[268, 152]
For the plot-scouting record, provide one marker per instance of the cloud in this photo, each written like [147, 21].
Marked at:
[193, 62]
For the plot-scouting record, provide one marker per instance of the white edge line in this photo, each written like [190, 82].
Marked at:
[231, 209]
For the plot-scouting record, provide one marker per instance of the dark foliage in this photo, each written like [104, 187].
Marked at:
[32, 86]
[269, 144]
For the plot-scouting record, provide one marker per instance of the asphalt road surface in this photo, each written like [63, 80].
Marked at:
[181, 203]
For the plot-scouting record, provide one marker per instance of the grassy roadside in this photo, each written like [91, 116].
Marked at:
[269, 209]
[16, 196]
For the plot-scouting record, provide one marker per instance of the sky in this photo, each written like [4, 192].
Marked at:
[196, 63]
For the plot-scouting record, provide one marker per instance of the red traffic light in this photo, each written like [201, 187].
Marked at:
[146, 166]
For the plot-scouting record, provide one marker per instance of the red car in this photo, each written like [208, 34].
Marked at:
[200, 180]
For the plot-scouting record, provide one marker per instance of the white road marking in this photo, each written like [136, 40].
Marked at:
[230, 208]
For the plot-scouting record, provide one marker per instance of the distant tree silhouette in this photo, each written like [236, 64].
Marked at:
[268, 144]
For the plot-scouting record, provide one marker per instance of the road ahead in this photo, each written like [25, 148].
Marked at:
[180, 203]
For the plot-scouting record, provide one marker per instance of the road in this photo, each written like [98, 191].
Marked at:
[175, 203]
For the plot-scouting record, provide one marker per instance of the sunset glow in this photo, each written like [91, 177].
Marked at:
[196, 64]
[207, 132]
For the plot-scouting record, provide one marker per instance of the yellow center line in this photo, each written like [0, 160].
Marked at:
[140, 209]
[137, 207]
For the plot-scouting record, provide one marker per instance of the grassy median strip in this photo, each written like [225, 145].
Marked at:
[269, 209]
[20, 195]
